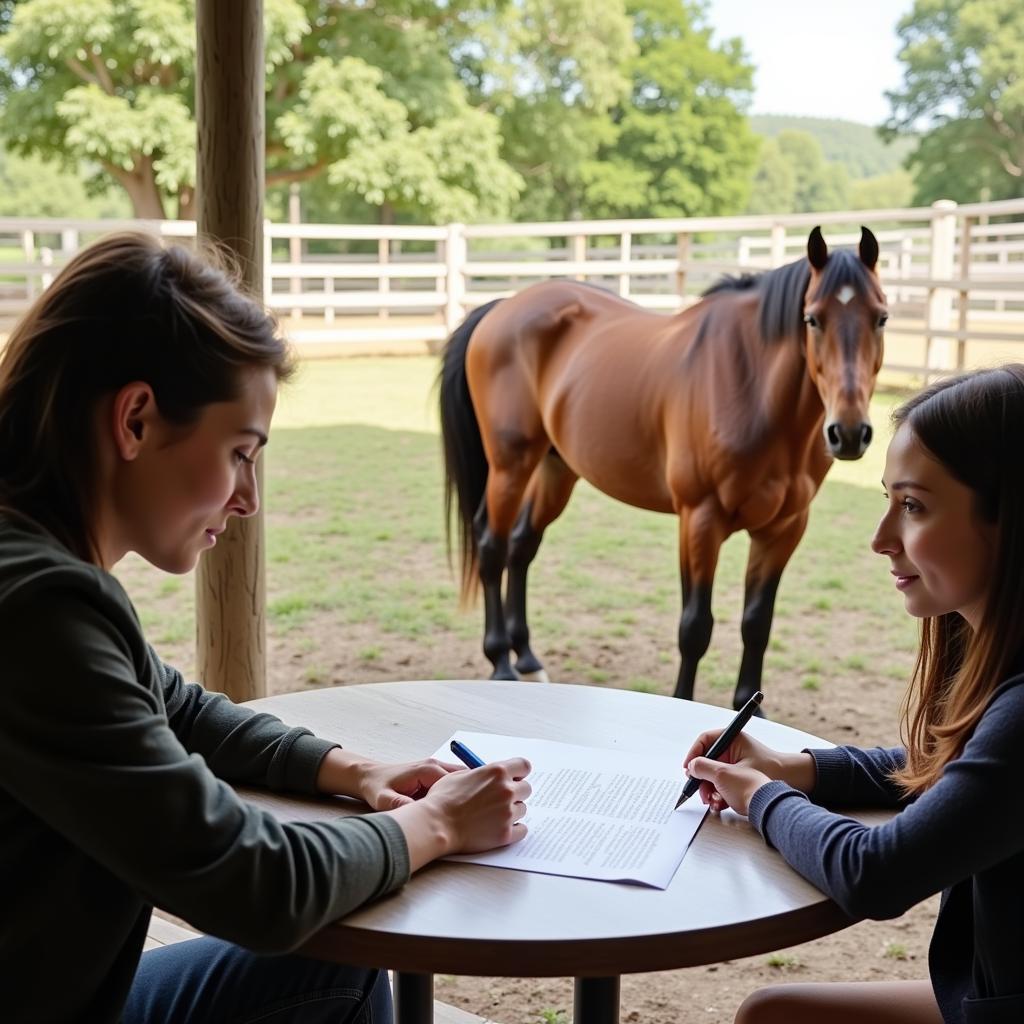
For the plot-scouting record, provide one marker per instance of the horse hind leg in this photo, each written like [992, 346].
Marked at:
[548, 494]
[506, 484]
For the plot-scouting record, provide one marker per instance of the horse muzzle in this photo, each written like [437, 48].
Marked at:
[847, 441]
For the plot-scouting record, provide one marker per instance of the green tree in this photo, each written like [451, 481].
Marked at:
[32, 187]
[963, 91]
[792, 176]
[551, 70]
[680, 144]
[819, 184]
[774, 185]
[112, 82]
[891, 191]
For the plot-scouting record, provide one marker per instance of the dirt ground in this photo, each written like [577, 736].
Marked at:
[886, 950]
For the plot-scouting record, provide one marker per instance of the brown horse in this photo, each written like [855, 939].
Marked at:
[727, 414]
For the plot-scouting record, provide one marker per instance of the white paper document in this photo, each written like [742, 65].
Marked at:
[594, 813]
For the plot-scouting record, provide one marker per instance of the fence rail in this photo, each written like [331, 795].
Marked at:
[954, 274]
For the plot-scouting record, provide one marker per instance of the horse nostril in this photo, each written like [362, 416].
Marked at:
[866, 434]
[834, 437]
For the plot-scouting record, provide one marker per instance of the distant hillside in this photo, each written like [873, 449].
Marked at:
[857, 147]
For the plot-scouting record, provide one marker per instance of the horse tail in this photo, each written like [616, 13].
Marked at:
[465, 465]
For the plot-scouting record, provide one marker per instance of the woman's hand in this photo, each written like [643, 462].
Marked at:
[742, 770]
[381, 785]
[387, 786]
[467, 811]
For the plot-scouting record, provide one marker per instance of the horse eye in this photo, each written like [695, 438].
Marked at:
[883, 320]
[811, 320]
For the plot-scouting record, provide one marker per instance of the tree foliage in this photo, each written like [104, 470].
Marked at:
[415, 109]
[112, 81]
[858, 147]
[793, 176]
[680, 144]
[963, 91]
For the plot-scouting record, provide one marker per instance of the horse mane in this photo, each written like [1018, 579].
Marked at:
[781, 312]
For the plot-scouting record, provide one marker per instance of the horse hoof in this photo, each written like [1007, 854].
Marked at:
[505, 675]
[540, 676]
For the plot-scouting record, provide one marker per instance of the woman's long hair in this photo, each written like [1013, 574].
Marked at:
[974, 426]
[127, 308]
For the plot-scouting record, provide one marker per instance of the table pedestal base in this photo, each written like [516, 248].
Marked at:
[596, 1001]
[414, 998]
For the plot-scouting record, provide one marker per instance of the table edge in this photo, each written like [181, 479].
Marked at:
[577, 957]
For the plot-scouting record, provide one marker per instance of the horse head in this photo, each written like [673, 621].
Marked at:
[845, 313]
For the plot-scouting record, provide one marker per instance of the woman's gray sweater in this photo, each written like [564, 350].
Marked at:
[114, 797]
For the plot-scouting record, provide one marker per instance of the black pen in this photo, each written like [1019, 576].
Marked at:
[732, 730]
[465, 755]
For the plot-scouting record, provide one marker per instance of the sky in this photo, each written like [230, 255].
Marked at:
[818, 58]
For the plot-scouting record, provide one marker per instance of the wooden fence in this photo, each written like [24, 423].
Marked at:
[954, 275]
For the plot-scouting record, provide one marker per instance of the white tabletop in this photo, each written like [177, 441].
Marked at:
[732, 895]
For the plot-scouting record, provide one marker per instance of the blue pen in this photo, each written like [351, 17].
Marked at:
[465, 755]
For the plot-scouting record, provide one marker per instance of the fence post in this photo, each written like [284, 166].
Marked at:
[68, 242]
[965, 295]
[455, 278]
[578, 253]
[383, 283]
[938, 354]
[28, 250]
[328, 300]
[625, 254]
[268, 257]
[743, 251]
[295, 243]
[906, 262]
[777, 251]
[46, 255]
[682, 258]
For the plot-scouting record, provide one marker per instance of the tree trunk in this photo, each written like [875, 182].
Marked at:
[387, 213]
[140, 184]
[186, 203]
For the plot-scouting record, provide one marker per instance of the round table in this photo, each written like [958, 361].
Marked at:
[732, 895]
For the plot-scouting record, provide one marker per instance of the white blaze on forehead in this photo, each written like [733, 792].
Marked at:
[845, 294]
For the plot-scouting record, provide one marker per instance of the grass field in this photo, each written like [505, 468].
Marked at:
[357, 571]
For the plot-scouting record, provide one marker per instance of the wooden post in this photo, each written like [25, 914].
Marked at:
[28, 251]
[455, 279]
[965, 294]
[683, 258]
[938, 351]
[230, 580]
[383, 283]
[578, 253]
[626, 255]
[777, 253]
[295, 242]
[906, 263]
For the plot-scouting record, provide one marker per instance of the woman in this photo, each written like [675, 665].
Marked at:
[135, 398]
[953, 532]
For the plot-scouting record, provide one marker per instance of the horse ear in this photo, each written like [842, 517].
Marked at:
[868, 248]
[817, 250]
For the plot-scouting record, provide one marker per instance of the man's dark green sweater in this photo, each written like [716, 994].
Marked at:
[114, 797]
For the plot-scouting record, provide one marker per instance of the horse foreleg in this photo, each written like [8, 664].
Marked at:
[701, 533]
[770, 551]
[547, 497]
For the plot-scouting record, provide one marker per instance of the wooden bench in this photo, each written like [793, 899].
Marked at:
[163, 933]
